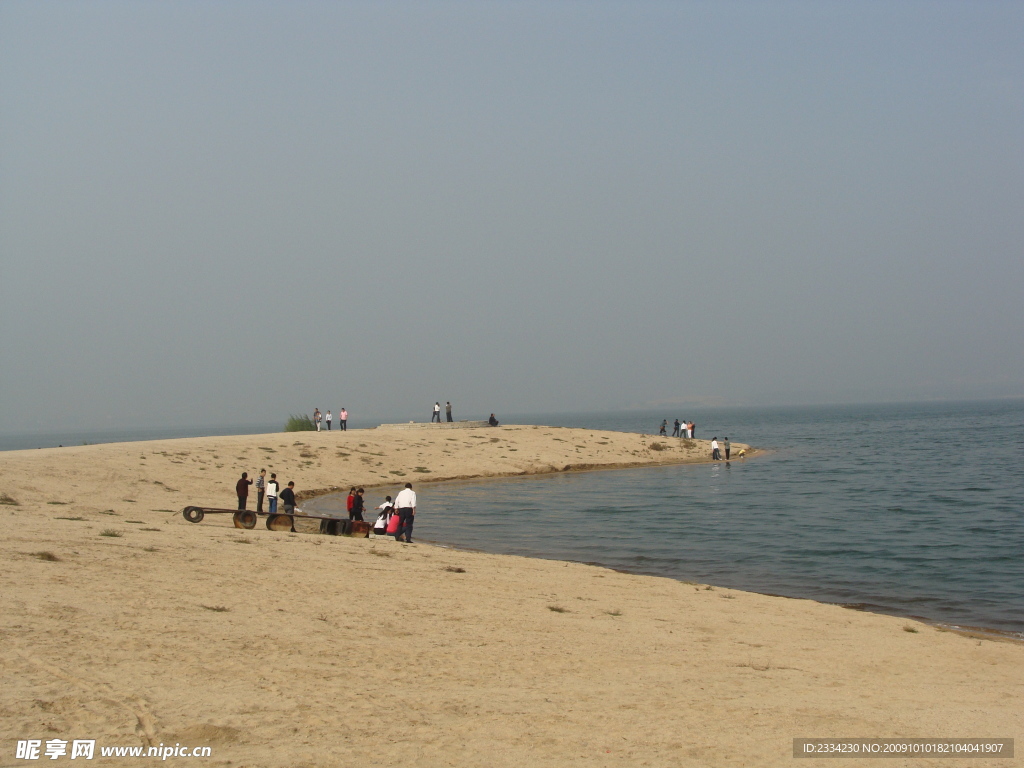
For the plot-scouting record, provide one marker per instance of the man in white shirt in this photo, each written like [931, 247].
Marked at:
[272, 487]
[715, 455]
[437, 414]
[327, 418]
[406, 503]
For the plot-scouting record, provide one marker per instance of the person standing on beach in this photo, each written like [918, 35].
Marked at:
[664, 426]
[436, 416]
[675, 428]
[448, 410]
[317, 418]
[288, 499]
[327, 418]
[350, 501]
[261, 489]
[406, 503]
[715, 455]
[343, 420]
[692, 429]
[272, 487]
[725, 445]
[356, 513]
[242, 489]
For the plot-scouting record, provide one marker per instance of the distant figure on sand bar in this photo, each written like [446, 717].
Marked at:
[492, 421]
[436, 416]
[448, 411]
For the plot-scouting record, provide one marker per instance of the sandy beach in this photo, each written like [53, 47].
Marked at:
[126, 624]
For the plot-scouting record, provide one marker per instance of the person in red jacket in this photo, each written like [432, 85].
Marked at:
[350, 501]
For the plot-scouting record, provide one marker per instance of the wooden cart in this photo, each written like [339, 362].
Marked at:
[244, 518]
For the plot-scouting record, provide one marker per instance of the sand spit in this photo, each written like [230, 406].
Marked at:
[124, 623]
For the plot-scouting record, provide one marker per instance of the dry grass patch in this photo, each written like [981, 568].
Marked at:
[216, 608]
[558, 609]
[8, 500]
[454, 569]
[47, 556]
[111, 533]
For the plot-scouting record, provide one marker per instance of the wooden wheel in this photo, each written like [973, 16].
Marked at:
[245, 519]
[279, 523]
[192, 514]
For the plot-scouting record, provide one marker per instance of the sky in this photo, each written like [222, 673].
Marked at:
[226, 212]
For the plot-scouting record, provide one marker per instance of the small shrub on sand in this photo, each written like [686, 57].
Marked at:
[111, 533]
[47, 556]
[299, 423]
[217, 608]
[616, 612]
[658, 447]
[8, 500]
[454, 569]
[909, 628]
[69, 518]
[557, 609]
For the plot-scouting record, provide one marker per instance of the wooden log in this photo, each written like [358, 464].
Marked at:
[279, 522]
[245, 519]
[359, 529]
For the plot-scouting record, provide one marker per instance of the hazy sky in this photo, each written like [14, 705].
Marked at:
[224, 212]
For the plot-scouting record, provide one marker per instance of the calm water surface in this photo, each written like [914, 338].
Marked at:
[907, 509]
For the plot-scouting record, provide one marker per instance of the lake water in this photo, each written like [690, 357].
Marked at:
[913, 510]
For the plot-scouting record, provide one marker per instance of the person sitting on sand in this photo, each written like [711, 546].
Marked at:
[492, 421]
[380, 527]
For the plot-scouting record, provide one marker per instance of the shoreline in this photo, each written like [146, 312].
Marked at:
[988, 633]
[131, 626]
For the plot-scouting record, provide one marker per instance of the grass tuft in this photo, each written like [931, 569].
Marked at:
[380, 553]
[47, 556]
[149, 529]
[111, 533]
[58, 503]
[558, 609]
[69, 518]
[299, 423]
[658, 447]
[216, 608]
[8, 500]
[616, 612]
[150, 549]
[454, 569]
[909, 628]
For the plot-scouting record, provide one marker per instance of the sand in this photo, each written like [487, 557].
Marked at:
[281, 649]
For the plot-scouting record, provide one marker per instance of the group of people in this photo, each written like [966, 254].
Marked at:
[266, 489]
[716, 454]
[436, 415]
[395, 518]
[682, 429]
[319, 418]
